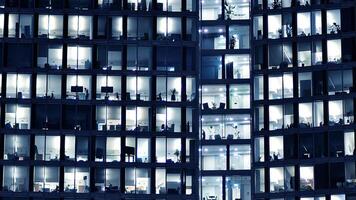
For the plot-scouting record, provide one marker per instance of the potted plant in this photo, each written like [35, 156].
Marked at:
[229, 10]
[276, 4]
[236, 132]
[177, 154]
[214, 105]
[173, 94]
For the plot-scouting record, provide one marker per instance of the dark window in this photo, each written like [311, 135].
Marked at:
[14, 50]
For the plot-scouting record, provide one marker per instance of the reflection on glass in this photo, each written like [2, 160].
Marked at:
[108, 87]
[47, 148]
[17, 116]
[50, 26]
[213, 158]
[76, 179]
[18, 86]
[46, 179]
[212, 187]
[16, 147]
[15, 179]
[137, 181]
[80, 27]
[79, 57]
[48, 86]
[213, 37]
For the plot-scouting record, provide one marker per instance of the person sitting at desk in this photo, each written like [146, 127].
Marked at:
[275, 156]
[86, 93]
[35, 150]
[8, 125]
[336, 28]
[67, 188]
[57, 189]
[138, 128]
[232, 42]
[341, 121]
[117, 96]
[110, 187]
[159, 97]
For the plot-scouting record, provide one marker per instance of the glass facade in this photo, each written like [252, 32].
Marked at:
[99, 99]
[177, 99]
[225, 98]
[303, 105]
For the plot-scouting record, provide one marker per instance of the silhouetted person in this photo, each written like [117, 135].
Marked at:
[57, 189]
[159, 97]
[86, 91]
[275, 156]
[232, 42]
[341, 121]
[117, 95]
[36, 150]
[291, 182]
[8, 125]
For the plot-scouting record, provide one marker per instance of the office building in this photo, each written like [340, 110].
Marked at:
[177, 99]
[99, 99]
[225, 92]
[303, 100]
